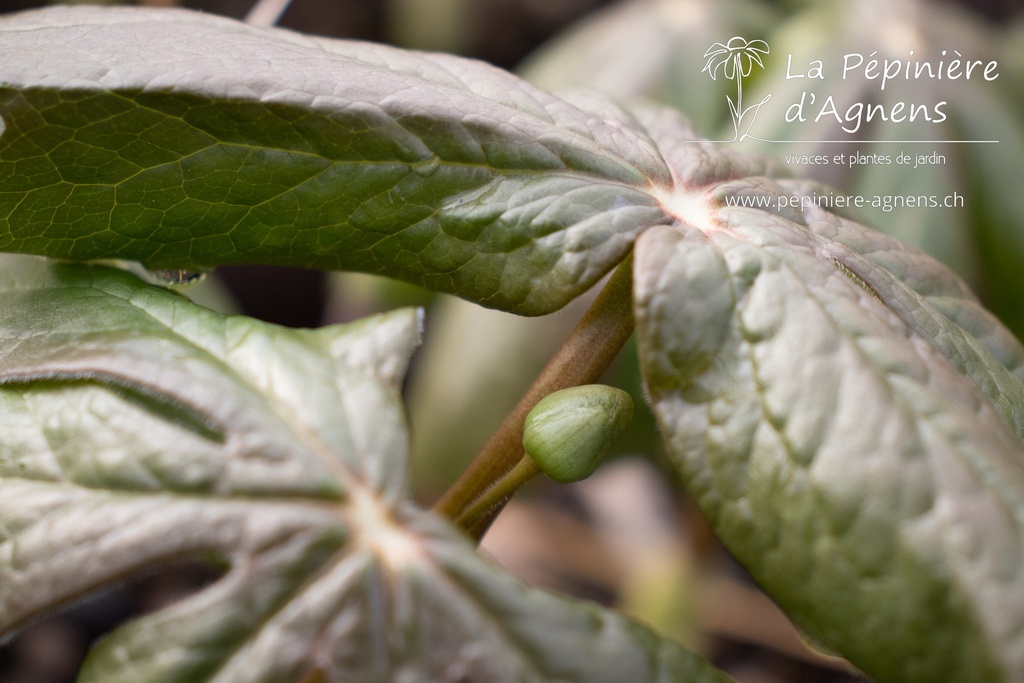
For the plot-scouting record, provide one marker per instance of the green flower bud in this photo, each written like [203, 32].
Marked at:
[570, 432]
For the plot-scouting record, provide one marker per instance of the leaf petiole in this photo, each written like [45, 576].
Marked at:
[489, 503]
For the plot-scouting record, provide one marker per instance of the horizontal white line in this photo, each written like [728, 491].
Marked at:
[881, 142]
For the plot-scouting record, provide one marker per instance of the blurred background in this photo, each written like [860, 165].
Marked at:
[628, 537]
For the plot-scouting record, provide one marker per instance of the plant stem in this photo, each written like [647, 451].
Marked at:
[588, 351]
[266, 12]
[493, 499]
[739, 89]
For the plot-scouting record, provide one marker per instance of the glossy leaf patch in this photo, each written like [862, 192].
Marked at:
[842, 409]
[137, 428]
[187, 141]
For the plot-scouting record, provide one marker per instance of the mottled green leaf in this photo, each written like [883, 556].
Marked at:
[184, 140]
[979, 237]
[137, 428]
[842, 409]
[840, 405]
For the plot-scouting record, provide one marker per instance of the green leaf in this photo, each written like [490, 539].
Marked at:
[980, 237]
[185, 140]
[842, 409]
[137, 428]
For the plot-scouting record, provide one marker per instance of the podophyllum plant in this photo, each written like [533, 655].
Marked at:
[982, 241]
[845, 413]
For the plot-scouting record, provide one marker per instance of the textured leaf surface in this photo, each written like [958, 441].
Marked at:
[982, 239]
[184, 140]
[842, 408]
[137, 428]
[843, 411]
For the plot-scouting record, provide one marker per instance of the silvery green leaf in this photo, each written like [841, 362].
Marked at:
[137, 428]
[979, 235]
[842, 409]
[186, 140]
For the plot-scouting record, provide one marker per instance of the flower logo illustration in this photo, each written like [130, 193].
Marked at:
[736, 60]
